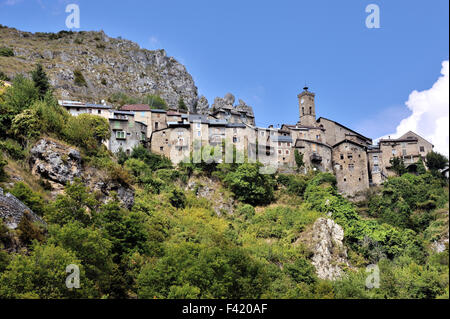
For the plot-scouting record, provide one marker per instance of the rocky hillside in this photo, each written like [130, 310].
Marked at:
[92, 66]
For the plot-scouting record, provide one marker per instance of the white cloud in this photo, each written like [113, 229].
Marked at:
[430, 113]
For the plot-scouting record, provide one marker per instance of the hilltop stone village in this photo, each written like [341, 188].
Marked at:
[326, 145]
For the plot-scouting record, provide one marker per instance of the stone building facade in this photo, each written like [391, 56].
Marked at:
[326, 145]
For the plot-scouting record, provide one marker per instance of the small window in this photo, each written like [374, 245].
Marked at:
[351, 167]
[198, 125]
[342, 156]
[156, 125]
[350, 156]
[287, 152]
[235, 139]
[289, 144]
[404, 152]
[120, 134]
[161, 148]
[422, 149]
[99, 111]
[376, 168]
[394, 152]
[199, 133]
[279, 152]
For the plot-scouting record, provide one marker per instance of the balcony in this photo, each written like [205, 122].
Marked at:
[316, 158]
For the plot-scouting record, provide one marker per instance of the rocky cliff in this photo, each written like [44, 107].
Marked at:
[108, 65]
[12, 210]
[60, 164]
[325, 240]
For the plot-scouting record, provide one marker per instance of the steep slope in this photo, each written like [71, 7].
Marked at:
[107, 65]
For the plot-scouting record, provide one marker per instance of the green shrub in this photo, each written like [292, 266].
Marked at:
[177, 198]
[87, 131]
[29, 231]
[250, 186]
[245, 210]
[33, 200]
[13, 149]
[155, 102]
[7, 52]
[79, 78]
[3, 163]
[4, 77]
[153, 161]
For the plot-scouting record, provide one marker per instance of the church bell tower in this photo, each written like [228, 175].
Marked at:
[307, 108]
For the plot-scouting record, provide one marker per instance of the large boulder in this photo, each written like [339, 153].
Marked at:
[325, 240]
[60, 164]
[55, 162]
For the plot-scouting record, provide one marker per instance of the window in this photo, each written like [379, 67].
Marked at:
[198, 125]
[351, 167]
[422, 149]
[394, 152]
[375, 158]
[199, 133]
[342, 156]
[161, 148]
[99, 111]
[262, 133]
[350, 156]
[314, 147]
[303, 110]
[235, 139]
[404, 152]
[310, 110]
[156, 125]
[317, 137]
[287, 152]
[279, 152]
[289, 144]
[376, 168]
[120, 135]
[279, 143]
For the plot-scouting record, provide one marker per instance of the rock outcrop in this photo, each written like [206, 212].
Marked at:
[60, 164]
[108, 66]
[55, 162]
[325, 240]
[12, 210]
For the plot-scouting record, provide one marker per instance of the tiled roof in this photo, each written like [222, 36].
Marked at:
[136, 107]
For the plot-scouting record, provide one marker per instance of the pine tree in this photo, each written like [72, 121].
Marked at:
[182, 105]
[40, 80]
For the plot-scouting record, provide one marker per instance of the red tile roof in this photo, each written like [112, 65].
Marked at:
[135, 107]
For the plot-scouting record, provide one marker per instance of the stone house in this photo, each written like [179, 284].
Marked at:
[126, 132]
[350, 166]
[76, 108]
[410, 147]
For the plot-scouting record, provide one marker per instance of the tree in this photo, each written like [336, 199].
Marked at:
[181, 104]
[89, 245]
[398, 166]
[40, 80]
[42, 274]
[155, 102]
[26, 126]
[77, 204]
[3, 163]
[249, 185]
[87, 131]
[299, 159]
[436, 162]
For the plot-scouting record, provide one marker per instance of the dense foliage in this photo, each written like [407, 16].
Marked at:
[175, 243]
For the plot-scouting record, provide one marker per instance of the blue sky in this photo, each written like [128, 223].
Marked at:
[264, 51]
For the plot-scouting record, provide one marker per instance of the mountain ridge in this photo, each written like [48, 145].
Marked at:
[90, 65]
